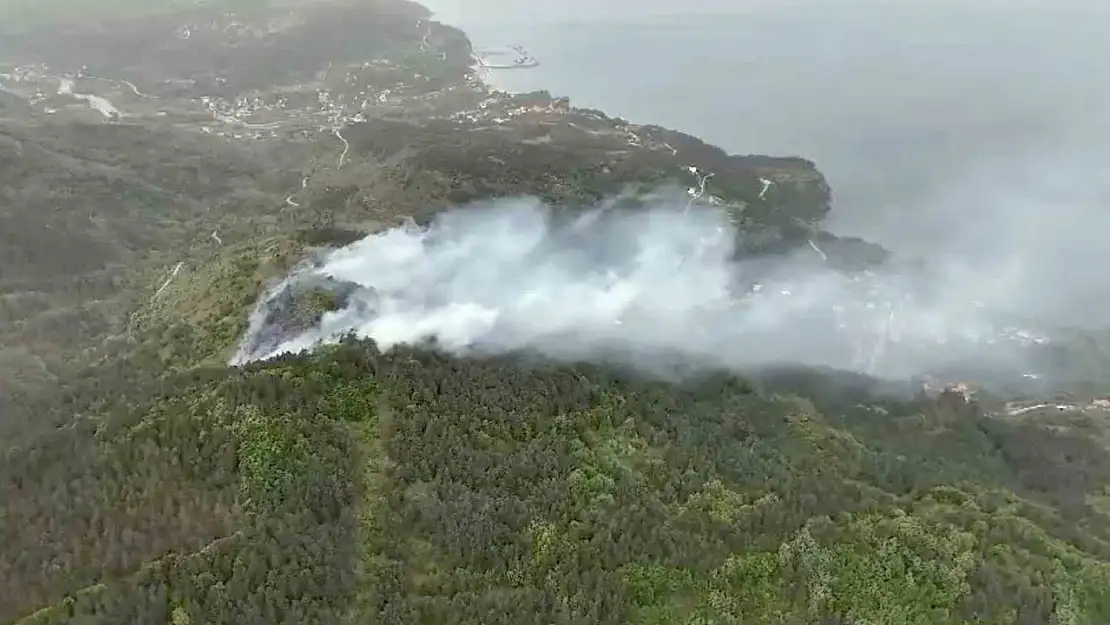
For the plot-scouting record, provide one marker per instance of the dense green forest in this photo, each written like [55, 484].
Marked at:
[144, 481]
[416, 487]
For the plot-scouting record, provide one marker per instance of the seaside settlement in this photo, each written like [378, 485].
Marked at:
[162, 171]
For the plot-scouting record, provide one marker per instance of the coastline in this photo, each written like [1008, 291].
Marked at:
[359, 483]
[452, 17]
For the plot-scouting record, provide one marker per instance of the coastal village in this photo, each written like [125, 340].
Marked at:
[339, 101]
[175, 179]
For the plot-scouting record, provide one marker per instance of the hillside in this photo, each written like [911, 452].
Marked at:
[159, 171]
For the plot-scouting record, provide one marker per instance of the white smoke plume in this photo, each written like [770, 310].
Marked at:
[516, 275]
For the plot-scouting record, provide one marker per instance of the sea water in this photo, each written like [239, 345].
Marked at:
[976, 131]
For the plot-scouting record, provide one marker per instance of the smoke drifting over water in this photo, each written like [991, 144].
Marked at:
[972, 128]
[648, 285]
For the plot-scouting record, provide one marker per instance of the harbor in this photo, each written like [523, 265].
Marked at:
[508, 57]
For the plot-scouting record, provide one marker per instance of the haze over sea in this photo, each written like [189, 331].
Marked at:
[979, 130]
